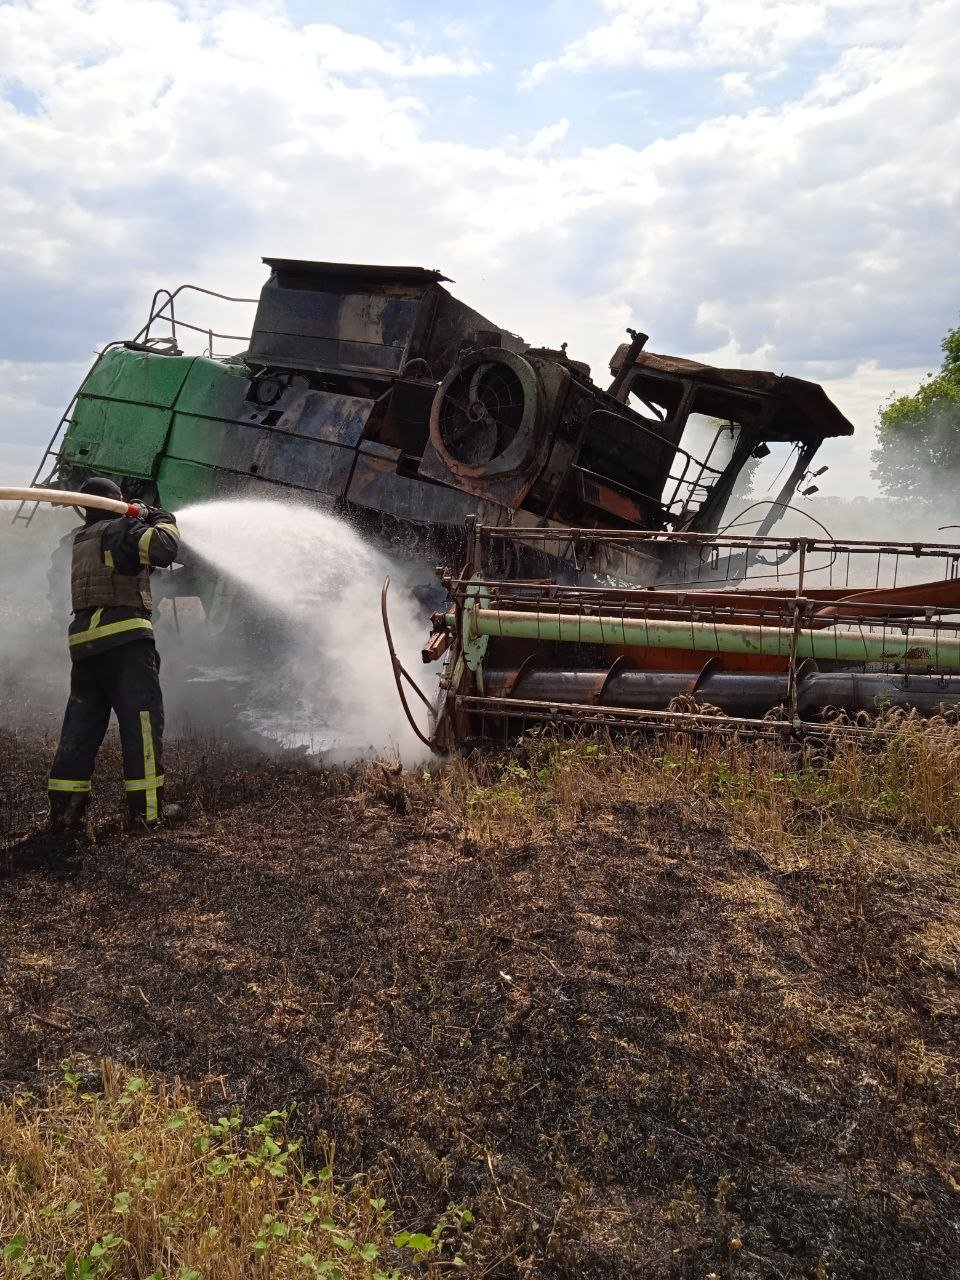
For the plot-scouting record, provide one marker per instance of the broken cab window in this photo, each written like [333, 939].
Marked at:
[656, 399]
[706, 449]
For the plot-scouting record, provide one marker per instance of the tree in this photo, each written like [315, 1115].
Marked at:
[918, 437]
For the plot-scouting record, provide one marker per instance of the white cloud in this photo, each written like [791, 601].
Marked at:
[165, 144]
[342, 52]
[736, 84]
[722, 33]
[546, 139]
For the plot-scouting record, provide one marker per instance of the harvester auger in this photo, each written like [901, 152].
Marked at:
[816, 634]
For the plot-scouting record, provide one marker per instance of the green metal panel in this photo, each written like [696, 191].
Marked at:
[122, 417]
[212, 442]
[215, 390]
[138, 376]
[183, 484]
[891, 645]
[116, 437]
[124, 413]
[213, 423]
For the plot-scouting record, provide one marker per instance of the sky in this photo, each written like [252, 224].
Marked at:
[760, 183]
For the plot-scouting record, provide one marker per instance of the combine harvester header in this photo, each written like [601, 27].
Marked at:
[815, 634]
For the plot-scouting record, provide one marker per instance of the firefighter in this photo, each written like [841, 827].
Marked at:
[114, 665]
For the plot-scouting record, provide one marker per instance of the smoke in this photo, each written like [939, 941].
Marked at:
[293, 654]
[34, 662]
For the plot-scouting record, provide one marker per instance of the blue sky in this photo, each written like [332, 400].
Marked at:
[768, 183]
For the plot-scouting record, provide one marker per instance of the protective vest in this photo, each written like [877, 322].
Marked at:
[95, 584]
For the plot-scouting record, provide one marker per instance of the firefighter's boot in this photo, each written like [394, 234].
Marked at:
[68, 812]
[138, 823]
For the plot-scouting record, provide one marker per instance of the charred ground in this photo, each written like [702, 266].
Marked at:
[668, 1013]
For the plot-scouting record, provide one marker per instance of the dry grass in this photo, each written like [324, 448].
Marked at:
[131, 1180]
[907, 783]
[680, 1009]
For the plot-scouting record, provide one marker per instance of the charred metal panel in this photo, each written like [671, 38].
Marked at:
[354, 318]
[324, 415]
[270, 454]
[309, 464]
[317, 319]
[452, 327]
[799, 409]
[376, 485]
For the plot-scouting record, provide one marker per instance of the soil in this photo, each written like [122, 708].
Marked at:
[639, 1045]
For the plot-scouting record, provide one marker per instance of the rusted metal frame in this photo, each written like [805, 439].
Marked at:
[400, 673]
[862, 644]
[474, 547]
[777, 608]
[781, 618]
[645, 429]
[232, 337]
[579, 720]
[587, 713]
[799, 608]
[857, 545]
[712, 508]
[577, 599]
[157, 312]
[718, 474]
[694, 485]
[805, 455]
[628, 368]
[584, 712]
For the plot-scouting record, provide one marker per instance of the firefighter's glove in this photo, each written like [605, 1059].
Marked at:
[157, 515]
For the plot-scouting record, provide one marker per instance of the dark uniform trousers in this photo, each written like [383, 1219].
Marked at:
[124, 679]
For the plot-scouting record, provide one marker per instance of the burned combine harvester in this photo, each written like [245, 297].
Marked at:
[596, 575]
[375, 392]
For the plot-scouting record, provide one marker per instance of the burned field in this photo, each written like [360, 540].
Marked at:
[683, 1012]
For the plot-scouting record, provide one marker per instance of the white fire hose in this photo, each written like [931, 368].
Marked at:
[66, 498]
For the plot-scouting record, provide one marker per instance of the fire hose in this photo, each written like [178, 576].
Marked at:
[68, 498]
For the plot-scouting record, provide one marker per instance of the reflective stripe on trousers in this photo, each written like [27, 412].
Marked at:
[151, 782]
